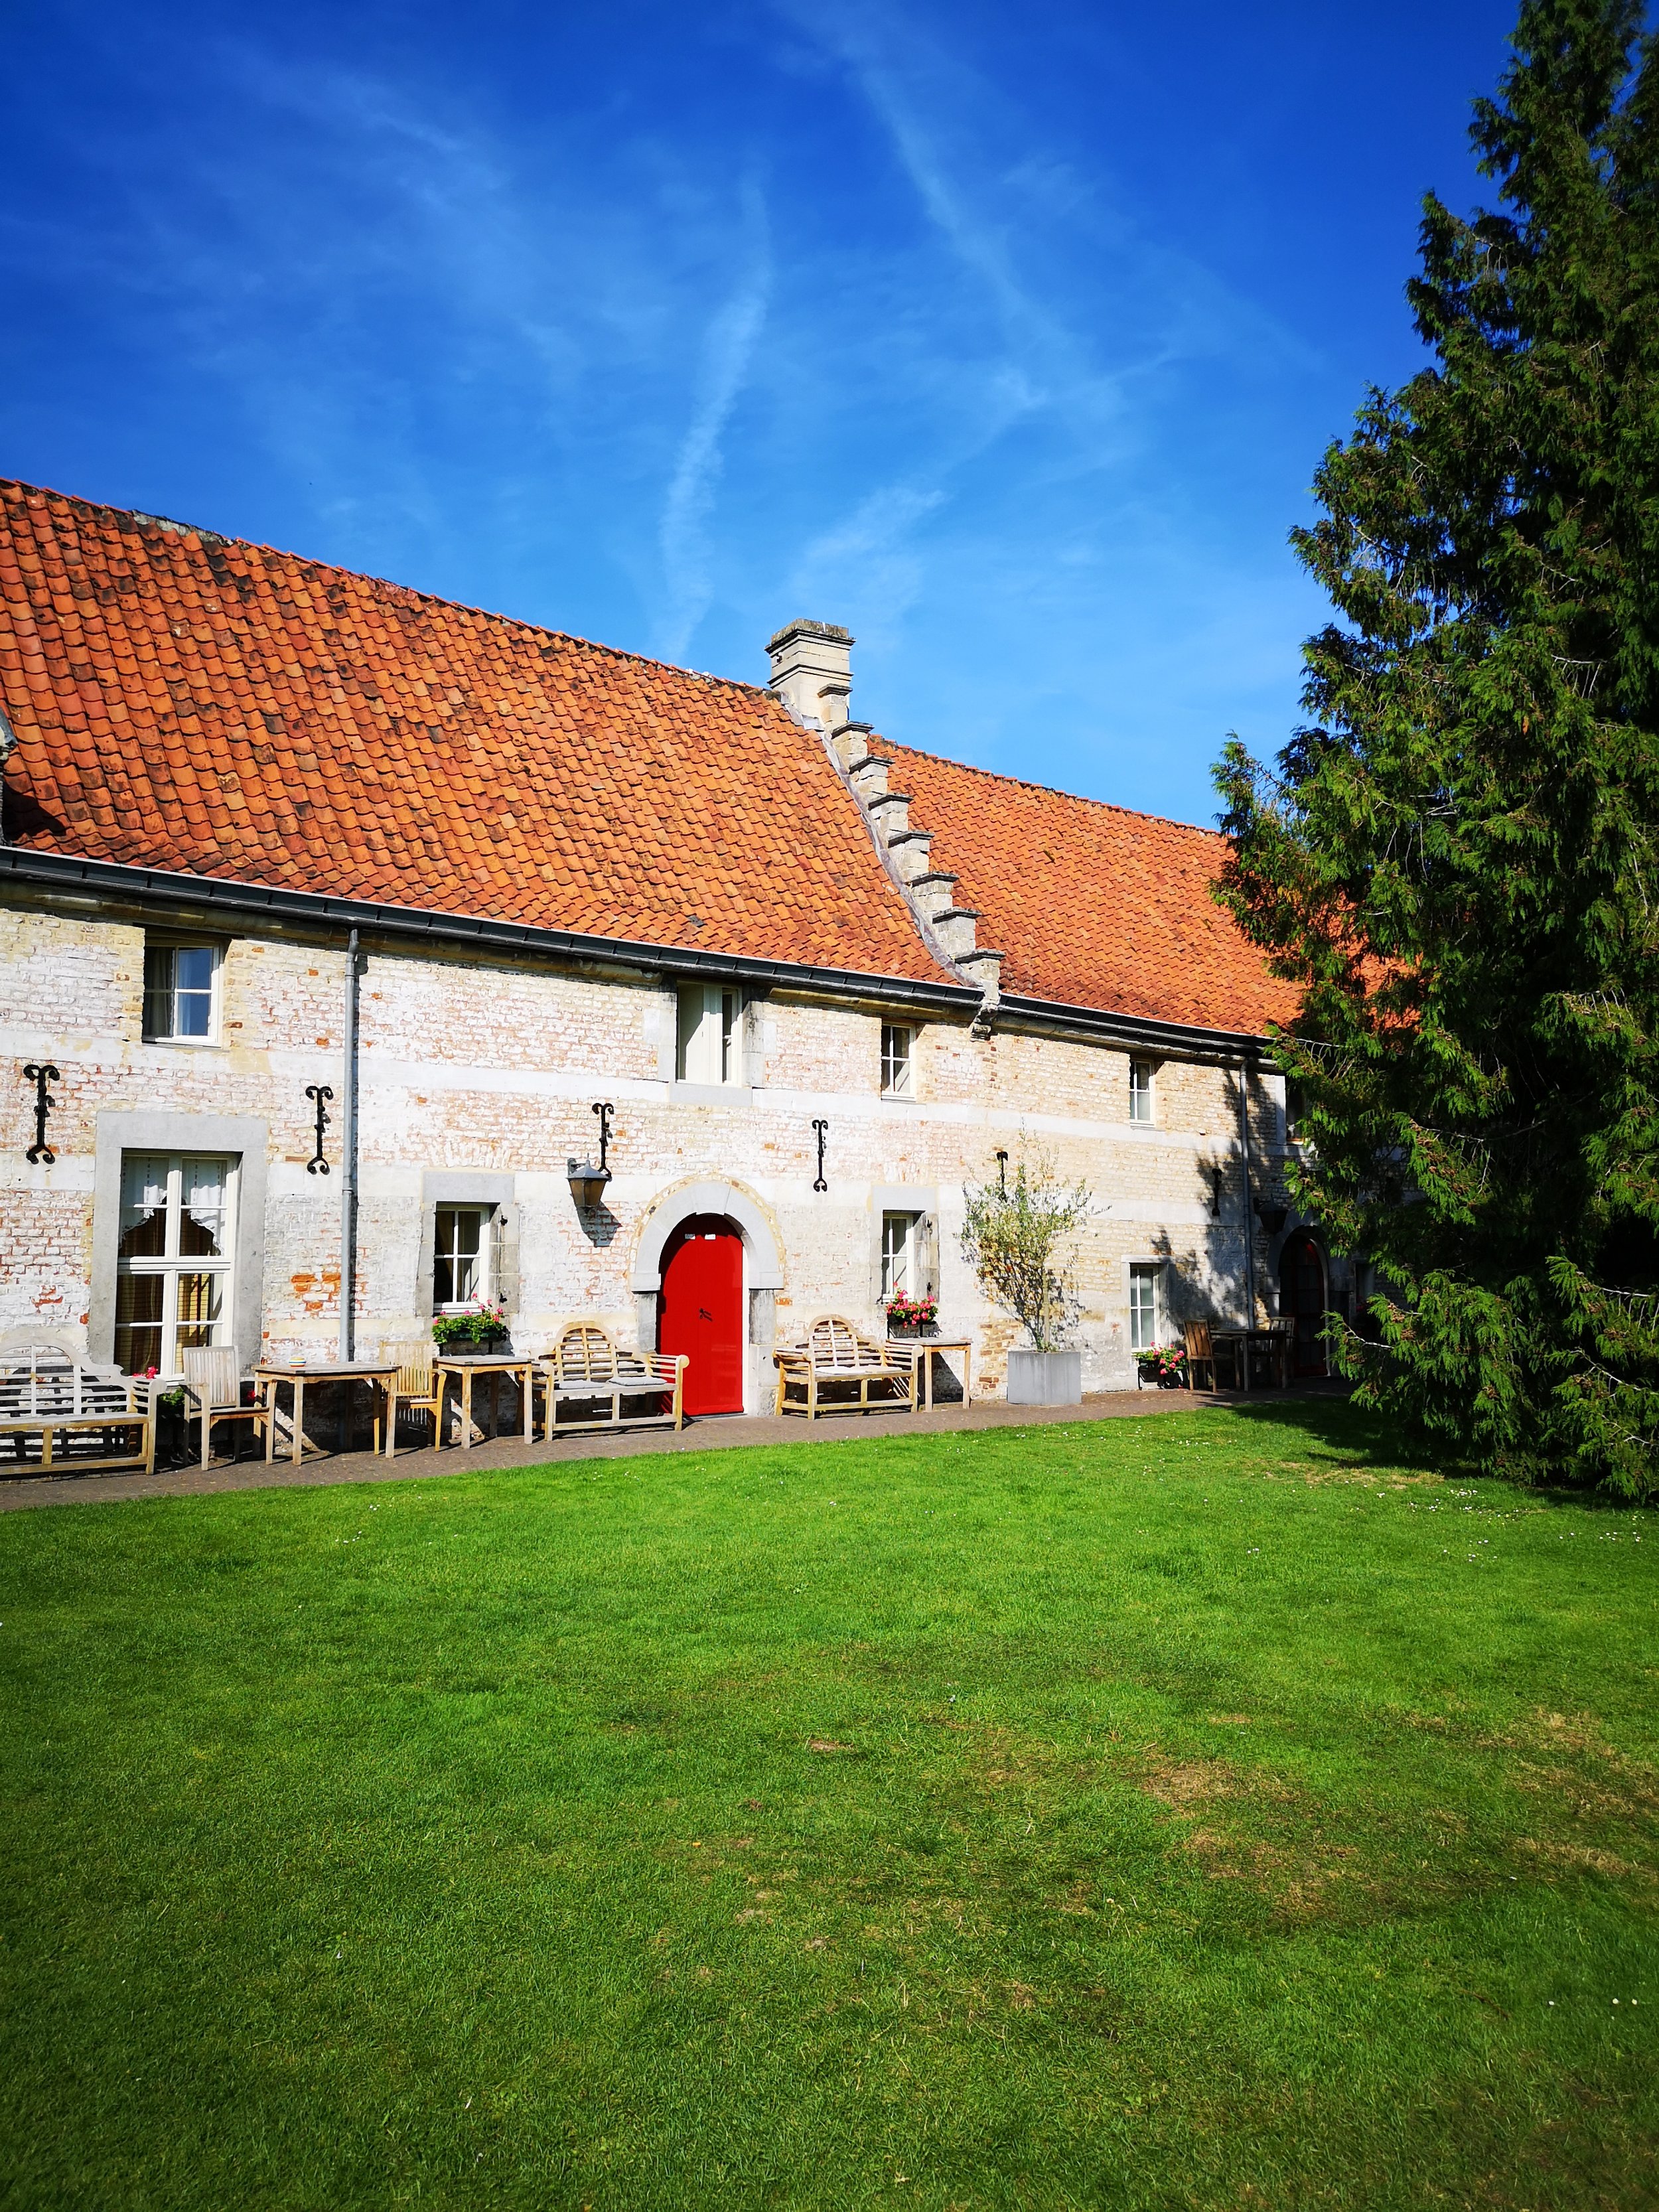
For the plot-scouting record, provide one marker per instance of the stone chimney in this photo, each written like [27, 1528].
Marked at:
[812, 671]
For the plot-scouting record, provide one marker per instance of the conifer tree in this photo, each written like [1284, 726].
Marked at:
[1458, 858]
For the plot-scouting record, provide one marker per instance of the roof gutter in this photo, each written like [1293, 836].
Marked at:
[71, 875]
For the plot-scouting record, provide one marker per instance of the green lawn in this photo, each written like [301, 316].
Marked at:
[1191, 1811]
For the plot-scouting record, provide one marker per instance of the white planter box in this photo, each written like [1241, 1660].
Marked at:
[1045, 1378]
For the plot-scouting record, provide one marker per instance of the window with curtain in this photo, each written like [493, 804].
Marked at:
[173, 1287]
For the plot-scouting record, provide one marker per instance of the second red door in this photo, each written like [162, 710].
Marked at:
[700, 1311]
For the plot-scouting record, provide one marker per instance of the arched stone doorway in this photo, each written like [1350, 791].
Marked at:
[735, 1240]
[1302, 1298]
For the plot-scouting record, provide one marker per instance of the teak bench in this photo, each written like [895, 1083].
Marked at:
[587, 1367]
[835, 1356]
[61, 1415]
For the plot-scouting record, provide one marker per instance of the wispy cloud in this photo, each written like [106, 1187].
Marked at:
[728, 346]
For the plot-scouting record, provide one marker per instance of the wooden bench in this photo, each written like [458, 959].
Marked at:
[587, 1368]
[835, 1358]
[61, 1415]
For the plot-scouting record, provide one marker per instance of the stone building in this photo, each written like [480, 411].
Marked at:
[273, 830]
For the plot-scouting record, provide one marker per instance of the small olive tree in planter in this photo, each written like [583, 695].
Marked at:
[1014, 1236]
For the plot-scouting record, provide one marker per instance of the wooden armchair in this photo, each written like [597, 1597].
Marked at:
[418, 1389]
[835, 1358]
[1200, 1352]
[61, 1415]
[213, 1378]
[588, 1368]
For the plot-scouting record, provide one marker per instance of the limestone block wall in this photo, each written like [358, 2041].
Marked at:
[491, 1071]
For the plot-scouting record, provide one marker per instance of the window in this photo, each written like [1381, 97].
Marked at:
[173, 1288]
[896, 1061]
[901, 1270]
[461, 1267]
[1140, 1091]
[710, 1046]
[1146, 1322]
[181, 984]
[1295, 1107]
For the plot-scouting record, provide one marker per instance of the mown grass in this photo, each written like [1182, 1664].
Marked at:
[1193, 1811]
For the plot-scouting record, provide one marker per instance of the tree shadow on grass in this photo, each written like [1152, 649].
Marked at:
[1348, 1431]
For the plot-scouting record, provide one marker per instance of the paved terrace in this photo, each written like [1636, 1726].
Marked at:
[712, 1433]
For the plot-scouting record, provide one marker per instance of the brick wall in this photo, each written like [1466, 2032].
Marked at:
[495, 1068]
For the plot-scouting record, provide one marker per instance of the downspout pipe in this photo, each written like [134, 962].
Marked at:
[1249, 1196]
[348, 1156]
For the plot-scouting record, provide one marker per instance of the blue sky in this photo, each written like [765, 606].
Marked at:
[1008, 336]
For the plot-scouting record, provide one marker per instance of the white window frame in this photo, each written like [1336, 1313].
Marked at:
[900, 1249]
[708, 1042]
[168, 949]
[170, 1265]
[483, 1258]
[1143, 1096]
[1145, 1315]
[898, 1046]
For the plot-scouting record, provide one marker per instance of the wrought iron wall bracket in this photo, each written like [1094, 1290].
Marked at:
[321, 1092]
[606, 1113]
[822, 1131]
[39, 1074]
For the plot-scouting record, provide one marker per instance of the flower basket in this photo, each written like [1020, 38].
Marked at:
[912, 1317]
[472, 1332]
[1164, 1366]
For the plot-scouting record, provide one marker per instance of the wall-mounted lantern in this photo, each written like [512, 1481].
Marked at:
[1272, 1217]
[587, 1182]
[40, 1075]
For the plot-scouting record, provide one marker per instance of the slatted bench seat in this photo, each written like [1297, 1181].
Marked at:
[587, 1369]
[815, 1378]
[61, 1415]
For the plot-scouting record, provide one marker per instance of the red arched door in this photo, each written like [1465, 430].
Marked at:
[1302, 1299]
[700, 1311]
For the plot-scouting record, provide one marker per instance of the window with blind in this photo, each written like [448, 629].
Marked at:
[710, 1043]
[172, 1287]
[895, 1043]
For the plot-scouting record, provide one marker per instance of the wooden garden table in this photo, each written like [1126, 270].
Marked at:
[923, 1348]
[1270, 1341]
[271, 1374]
[494, 1364]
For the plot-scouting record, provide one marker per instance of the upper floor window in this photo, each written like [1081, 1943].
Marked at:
[173, 1287]
[709, 1048]
[1140, 1091]
[181, 992]
[1295, 1107]
[461, 1260]
[896, 1045]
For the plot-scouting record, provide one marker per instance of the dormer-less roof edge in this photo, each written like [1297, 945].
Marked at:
[67, 873]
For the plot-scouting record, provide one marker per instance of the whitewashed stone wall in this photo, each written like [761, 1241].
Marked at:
[494, 1068]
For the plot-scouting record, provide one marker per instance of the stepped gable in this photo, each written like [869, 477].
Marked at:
[1090, 904]
[197, 704]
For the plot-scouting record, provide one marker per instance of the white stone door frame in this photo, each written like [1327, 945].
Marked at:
[763, 1272]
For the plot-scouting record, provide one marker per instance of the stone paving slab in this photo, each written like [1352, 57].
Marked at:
[713, 1433]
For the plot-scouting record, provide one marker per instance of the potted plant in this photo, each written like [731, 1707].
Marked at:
[908, 1317]
[1164, 1366]
[1014, 1236]
[471, 1331]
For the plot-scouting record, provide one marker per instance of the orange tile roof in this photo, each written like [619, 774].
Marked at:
[197, 704]
[1092, 906]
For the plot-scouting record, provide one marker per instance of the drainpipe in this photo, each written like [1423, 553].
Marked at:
[1250, 1237]
[349, 1156]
